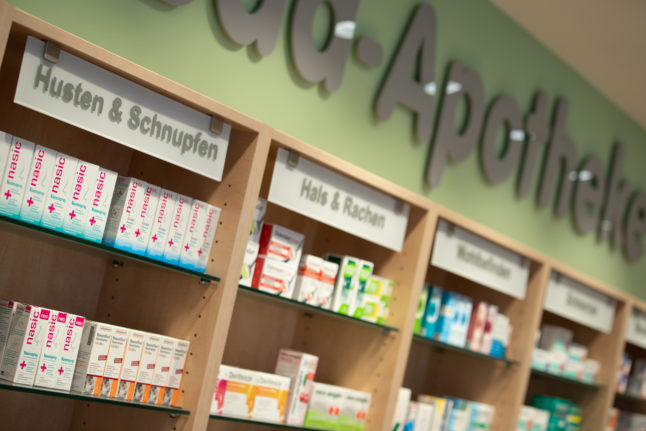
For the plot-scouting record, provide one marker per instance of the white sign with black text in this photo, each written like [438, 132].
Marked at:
[579, 303]
[324, 195]
[636, 332]
[474, 258]
[92, 98]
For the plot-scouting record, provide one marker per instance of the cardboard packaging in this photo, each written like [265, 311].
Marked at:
[253, 244]
[194, 235]
[327, 282]
[5, 147]
[448, 317]
[487, 335]
[27, 334]
[623, 373]
[140, 391]
[77, 211]
[346, 282]
[278, 257]
[40, 176]
[131, 362]
[161, 224]
[460, 326]
[233, 393]
[269, 397]
[442, 411]
[301, 369]
[171, 395]
[52, 348]
[481, 416]
[74, 328]
[324, 407]
[477, 325]
[7, 310]
[423, 417]
[308, 279]
[274, 276]
[178, 223]
[101, 198]
[109, 383]
[364, 274]
[208, 236]
[401, 408]
[92, 357]
[376, 299]
[59, 192]
[429, 322]
[421, 308]
[122, 220]
[354, 410]
[13, 183]
[162, 370]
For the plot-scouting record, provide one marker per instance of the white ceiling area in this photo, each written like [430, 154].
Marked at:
[604, 40]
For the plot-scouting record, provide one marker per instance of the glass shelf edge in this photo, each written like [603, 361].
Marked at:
[565, 379]
[314, 309]
[102, 248]
[268, 424]
[446, 346]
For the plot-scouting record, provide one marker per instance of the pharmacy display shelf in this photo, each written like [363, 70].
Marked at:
[563, 379]
[311, 309]
[260, 423]
[116, 255]
[441, 346]
[87, 398]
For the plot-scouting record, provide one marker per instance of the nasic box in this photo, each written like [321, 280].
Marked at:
[171, 391]
[140, 391]
[194, 235]
[162, 370]
[52, 348]
[232, 396]
[114, 362]
[99, 207]
[301, 369]
[59, 191]
[327, 282]
[71, 344]
[346, 282]
[7, 310]
[27, 334]
[253, 244]
[14, 179]
[122, 220]
[269, 397]
[144, 219]
[131, 361]
[78, 205]
[208, 234]
[5, 146]
[324, 407]
[161, 224]
[354, 410]
[178, 223]
[308, 279]
[92, 357]
[40, 175]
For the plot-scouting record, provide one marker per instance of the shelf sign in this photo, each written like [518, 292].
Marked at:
[333, 199]
[579, 303]
[636, 332]
[474, 258]
[92, 98]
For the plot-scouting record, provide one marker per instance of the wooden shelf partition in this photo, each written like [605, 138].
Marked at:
[227, 325]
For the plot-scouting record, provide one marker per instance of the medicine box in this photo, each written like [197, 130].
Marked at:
[140, 392]
[160, 226]
[364, 274]
[101, 198]
[92, 356]
[52, 348]
[40, 176]
[301, 369]
[401, 408]
[193, 237]
[623, 373]
[253, 244]
[144, 219]
[376, 299]
[423, 417]
[171, 392]
[307, 280]
[460, 326]
[109, 383]
[327, 282]
[274, 276]
[162, 370]
[269, 397]
[14, 180]
[442, 411]
[59, 192]
[429, 322]
[208, 235]
[354, 410]
[131, 361]
[233, 392]
[411, 415]
[481, 416]
[487, 335]
[7, 310]
[77, 211]
[178, 223]
[421, 308]
[27, 334]
[324, 407]
[5, 146]
[448, 316]
[126, 203]
[67, 359]
[346, 282]
[477, 325]
[282, 244]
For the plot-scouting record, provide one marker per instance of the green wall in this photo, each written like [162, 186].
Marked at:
[187, 45]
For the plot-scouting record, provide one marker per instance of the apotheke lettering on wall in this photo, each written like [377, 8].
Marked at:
[101, 102]
[597, 197]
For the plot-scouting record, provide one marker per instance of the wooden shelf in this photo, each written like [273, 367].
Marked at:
[5, 386]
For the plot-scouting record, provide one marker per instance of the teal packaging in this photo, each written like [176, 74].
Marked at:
[421, 307]
[14, 179]
[59, 191]
[40, 176]
[448, 316]
[432, 312]
[5, 146]
[78, 205]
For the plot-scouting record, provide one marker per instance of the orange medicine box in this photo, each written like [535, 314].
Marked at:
[140, 391]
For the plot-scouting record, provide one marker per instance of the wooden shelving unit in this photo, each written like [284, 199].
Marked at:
[231, 325]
